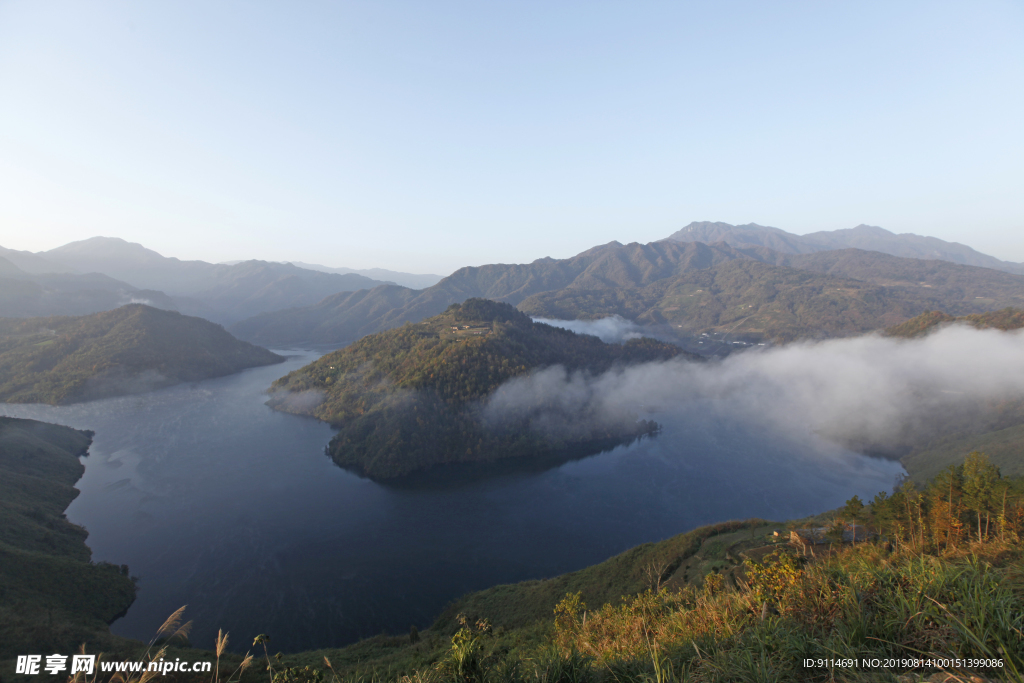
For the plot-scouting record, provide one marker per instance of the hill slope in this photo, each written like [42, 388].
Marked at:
[415, 397]
[131, 349]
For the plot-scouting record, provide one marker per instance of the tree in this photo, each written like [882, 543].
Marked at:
[945, 498]
[980, 481]
[853, 512]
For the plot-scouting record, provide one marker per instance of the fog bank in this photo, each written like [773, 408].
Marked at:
[863, 392]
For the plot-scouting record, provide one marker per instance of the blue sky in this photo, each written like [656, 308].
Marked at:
[424, 136]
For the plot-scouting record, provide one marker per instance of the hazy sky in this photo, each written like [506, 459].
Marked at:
[424, 136]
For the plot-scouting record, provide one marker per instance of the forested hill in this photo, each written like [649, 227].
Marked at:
[689, 288]
[129, 350]
[411, 398]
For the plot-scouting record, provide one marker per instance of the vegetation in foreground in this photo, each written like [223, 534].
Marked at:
[410, 399]
[129, 350]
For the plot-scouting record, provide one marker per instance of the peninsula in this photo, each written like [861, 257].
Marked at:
[415, 397]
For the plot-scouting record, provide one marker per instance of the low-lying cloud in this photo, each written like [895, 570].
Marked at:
[301, 402]
[611, 330]
[868, 392]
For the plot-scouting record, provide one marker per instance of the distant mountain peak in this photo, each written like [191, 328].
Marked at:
[863, 236]
[865, 229]
[105, 248]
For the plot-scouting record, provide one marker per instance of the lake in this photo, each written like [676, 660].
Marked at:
[218, 502]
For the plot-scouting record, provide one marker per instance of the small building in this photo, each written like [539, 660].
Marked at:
[807, 538]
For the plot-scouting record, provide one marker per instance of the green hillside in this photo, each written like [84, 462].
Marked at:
[52, 597]
[129, 350]
[408, 399]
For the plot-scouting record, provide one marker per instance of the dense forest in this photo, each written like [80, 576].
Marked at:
[131, 349]
[411, 398]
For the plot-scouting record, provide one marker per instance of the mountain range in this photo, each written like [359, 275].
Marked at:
[28, 294]
[685, 288]
[863, 278]
[867, 237]
[101, 273]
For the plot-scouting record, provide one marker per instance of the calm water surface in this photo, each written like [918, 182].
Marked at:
[218, 502]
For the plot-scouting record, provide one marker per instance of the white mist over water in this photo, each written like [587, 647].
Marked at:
[612, 330]
[868, 388]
